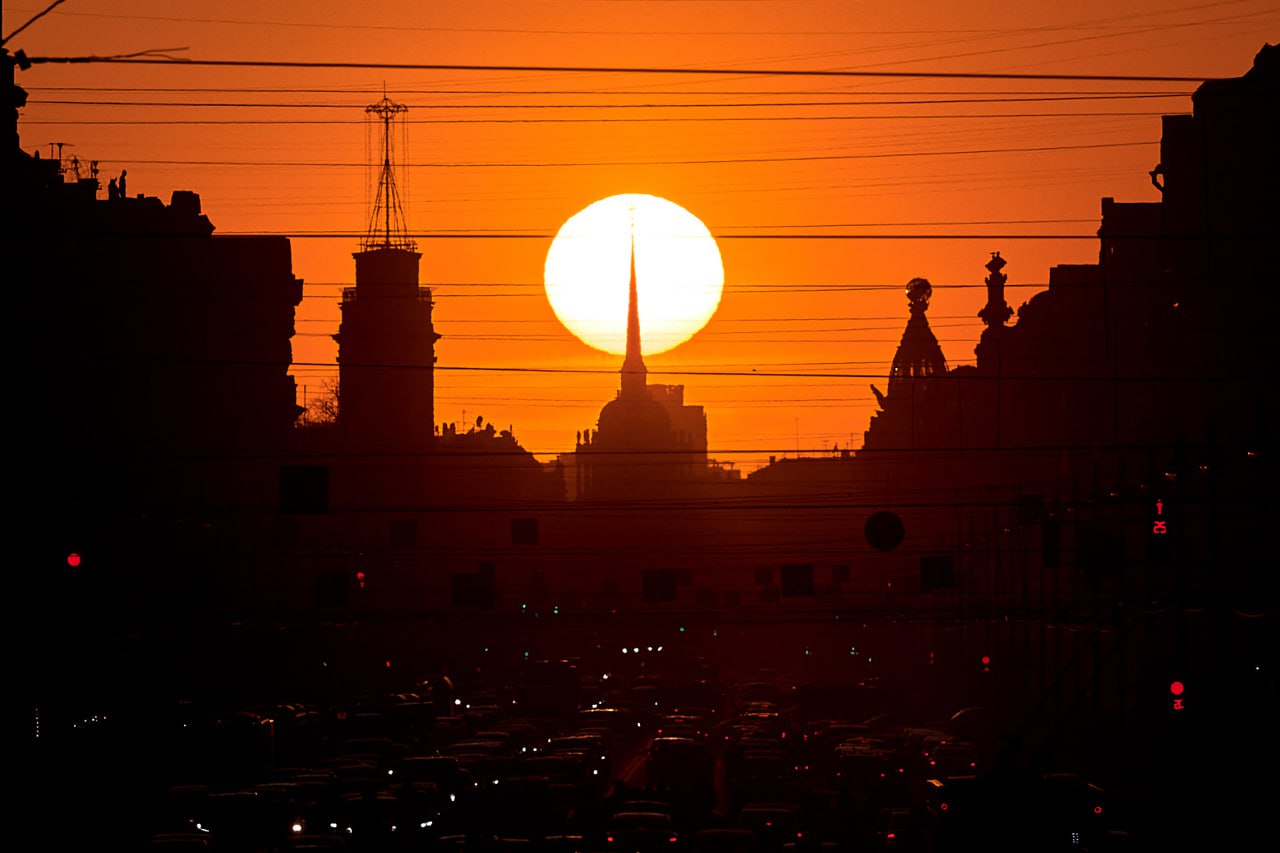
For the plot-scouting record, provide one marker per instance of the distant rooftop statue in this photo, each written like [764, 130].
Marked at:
[387, 228]
[996, 312]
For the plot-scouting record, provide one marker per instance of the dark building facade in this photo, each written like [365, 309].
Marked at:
[1139, 380]
[647, 443]
[386, 352]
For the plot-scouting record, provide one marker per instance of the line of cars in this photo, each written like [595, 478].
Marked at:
[565, 761]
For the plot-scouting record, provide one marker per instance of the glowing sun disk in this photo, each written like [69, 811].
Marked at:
[679, 275]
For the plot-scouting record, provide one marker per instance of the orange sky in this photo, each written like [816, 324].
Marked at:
[797, 306]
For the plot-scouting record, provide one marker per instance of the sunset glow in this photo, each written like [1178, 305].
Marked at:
[679, 275]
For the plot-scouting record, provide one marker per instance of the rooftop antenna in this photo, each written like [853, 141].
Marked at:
[59, 146]
[387, 228]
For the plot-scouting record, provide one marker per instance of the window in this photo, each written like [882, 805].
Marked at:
[937, 572]
[404, 532]
[524, 531]
[333, 589]
[304, 489]
[659, 585]
[797, 579]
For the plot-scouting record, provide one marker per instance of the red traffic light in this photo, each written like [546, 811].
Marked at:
[73, 559]
[1176, 688]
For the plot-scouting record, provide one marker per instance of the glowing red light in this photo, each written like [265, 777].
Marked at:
[73, 559]
[1177, 688]
[1097, 809]
[945, 807]
[609, 839]
[986, 660]
[891, 836]
[388, 663]
[672, 839]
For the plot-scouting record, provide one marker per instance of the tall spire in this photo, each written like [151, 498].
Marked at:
[634, 374]
[387, 229]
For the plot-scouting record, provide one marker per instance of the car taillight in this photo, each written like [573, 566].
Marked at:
[672, 839]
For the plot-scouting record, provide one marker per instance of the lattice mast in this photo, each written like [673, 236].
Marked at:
[387, 229]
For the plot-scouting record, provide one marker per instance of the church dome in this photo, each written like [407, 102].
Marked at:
[633, 423]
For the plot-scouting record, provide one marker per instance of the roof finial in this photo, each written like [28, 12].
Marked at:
[634, 374]
[996, 312]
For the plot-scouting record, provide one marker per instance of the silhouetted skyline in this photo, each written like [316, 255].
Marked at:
[851, 286]
[1013, 589]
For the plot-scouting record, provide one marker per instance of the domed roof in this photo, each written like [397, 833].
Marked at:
[633, 422]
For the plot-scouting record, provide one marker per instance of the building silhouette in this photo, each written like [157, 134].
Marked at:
[1138, 378]
[907, 407]
[647, 443]
[152, 392]
[386, 342]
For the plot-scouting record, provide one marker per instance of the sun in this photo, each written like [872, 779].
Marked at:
[679, 275]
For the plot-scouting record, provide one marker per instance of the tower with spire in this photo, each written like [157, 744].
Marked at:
[647, 442]
[634, 375]
[386, 341]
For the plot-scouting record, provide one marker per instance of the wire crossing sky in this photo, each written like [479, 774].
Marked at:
[835, 150]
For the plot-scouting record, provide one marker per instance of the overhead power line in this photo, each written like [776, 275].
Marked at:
[1035, 149]
[595, 119]
[1117, 94]
[1110, 24]
[132, 59]
[1237, 377]
[99, 102]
